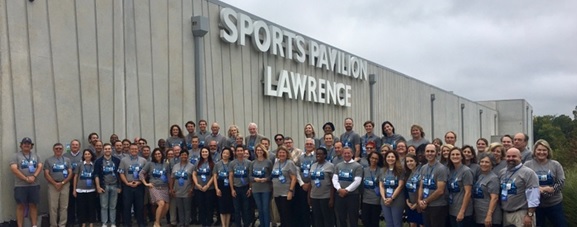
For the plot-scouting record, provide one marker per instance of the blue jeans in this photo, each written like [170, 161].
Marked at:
[554, 213]
[393, 215]
[262, 200]
[108, 201]
[241, 207]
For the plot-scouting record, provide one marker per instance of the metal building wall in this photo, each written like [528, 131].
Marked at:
[69, 68]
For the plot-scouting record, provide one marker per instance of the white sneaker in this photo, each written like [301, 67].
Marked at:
[104, 225]
[113, 225]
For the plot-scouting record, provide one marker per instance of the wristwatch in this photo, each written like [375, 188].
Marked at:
[530, 214]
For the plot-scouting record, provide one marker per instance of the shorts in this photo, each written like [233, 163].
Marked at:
[27, 194]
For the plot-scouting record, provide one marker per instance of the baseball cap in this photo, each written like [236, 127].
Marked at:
[26, 140]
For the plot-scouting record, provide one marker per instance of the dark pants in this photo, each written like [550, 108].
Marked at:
[323, 215]
[466, 222]
[71, 208]
[436, 216]
[301, 208]
[87, 202]
[119, 209]
[242, 215]
[347, 207]
[206, 201]
[194, 208]
[284, 207]
[370, 215]
[554, 213]
[133, 196]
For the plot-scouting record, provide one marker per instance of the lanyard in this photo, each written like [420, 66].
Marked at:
[88, 170]
[225, 167]
[319, 167]
[60, 161]
[508, 178]
[455, 172]
[156, 166]
[431, 169]
[373, 174]
[29, 156]
[281, 166]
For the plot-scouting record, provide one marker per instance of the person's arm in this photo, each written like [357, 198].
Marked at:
[49, 178]
[38, 170]
[335, 180]
[215, 182]
[231, 181]
[398, 190]
[491, 210]
[291, 191]
[17, 173]
[466, 200]
[437, 193]
[195, 180]
[75, 184]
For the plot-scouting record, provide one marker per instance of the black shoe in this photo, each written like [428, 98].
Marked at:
[217, 222]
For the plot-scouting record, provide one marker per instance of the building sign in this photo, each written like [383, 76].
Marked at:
[237, 28]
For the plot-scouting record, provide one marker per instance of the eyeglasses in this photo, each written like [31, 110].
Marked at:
[278, 139]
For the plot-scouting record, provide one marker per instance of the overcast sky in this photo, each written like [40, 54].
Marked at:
[481, 50]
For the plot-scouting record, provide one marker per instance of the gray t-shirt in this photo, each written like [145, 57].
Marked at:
[130, 167]
[365, 139]
[75, 159]
[109, 171]
[158, 173]
[220, 140]
[85, 172]
[261, 169]
[304, 163]
[350, 139]
[371, 190]
[239, 170]
[458, 179]
[475, 169]
[392, 140]
[486, 185]
[501, 165]
[174, 141]
[412, 184]
[526, 155]
[391, 182]
[321, 177]
[548, 173]
[346, 172]
[221, 170]
[27, 165]
[182, 175]
[431, 175]
[202, 138]
[59, 168]
[337, 159]
[514, 182]
[204, 174]
[417, 143]
[194, 156]
[281, 177]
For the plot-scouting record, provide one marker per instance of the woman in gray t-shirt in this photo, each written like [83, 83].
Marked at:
[459, 187]
[85, 189]
[486, 193]
[204, 187]
[158, 172]
[412, 169]
[322, 192]
[551, 179]
[260, 170]
[181, 187]
[391, 184]
[284, 179]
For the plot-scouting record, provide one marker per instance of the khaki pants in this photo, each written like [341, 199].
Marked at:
[516, 218]
[274, 215]
[58, 204]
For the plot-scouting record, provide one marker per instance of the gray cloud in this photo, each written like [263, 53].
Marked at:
[482, 50]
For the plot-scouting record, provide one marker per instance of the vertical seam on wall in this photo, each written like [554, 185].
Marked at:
[136, 67]
[98, 71]
[30, 73]
[151, 69]
[11, 74]
[52, 68]
[78, 66]
[113, 25]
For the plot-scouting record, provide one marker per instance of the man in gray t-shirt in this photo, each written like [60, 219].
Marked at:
[519, 191]
[58, 173]
[432, 188]
[26, 167]
[351, 139]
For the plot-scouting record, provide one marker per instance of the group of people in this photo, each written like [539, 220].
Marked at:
[193, 178]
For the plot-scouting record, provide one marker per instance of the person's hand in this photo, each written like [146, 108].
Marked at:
[527, 221]
[460, 216]
[100, 190]
[488, 221]
[218, 193]
[306, 187]
[233, 192]
[74, 194]
[343, 192]
[289, 196]
[331, 202]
